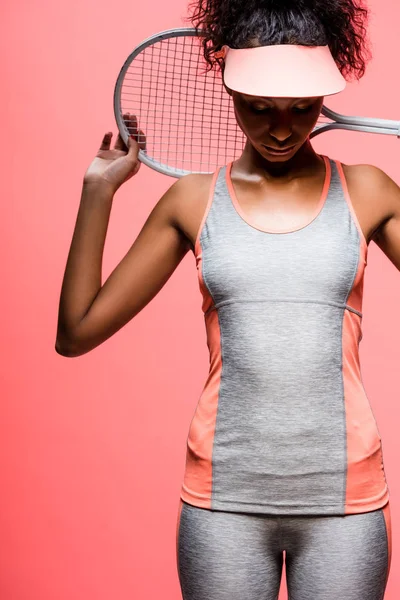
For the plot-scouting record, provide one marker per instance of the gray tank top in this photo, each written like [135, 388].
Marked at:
[283, 424]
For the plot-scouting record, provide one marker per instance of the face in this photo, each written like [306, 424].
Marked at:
[276, 127]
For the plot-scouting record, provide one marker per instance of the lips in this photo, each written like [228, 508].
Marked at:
[279, 150]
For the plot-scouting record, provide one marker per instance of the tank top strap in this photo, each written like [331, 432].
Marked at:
[349, 204]
[202, 231]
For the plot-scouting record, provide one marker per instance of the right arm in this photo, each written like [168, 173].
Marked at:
[89, 312]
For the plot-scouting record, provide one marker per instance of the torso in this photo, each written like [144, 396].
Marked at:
[268, 214]
[283, 317]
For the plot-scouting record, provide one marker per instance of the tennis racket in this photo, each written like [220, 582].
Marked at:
[185, 112]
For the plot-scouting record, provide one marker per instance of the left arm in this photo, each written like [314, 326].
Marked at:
[387, 236]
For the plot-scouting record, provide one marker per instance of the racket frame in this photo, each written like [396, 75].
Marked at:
[339, 121]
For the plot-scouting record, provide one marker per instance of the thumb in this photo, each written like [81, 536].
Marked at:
[133, 147]
[133, 152]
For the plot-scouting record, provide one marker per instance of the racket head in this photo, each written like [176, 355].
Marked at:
[183, 109]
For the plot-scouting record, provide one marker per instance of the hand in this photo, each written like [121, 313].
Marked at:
[113, 167]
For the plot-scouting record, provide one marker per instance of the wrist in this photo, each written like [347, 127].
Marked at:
[101, 187]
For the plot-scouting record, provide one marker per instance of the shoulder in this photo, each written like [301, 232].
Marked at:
[373, 188]
[185, 203]
[371, 181]
[194, 182]
[368, 176]
[184, 193]
[190, 191]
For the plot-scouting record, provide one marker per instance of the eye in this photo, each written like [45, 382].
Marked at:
[259, 110]
[307, 109]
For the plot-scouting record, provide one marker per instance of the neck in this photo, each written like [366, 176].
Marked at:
[251, 162]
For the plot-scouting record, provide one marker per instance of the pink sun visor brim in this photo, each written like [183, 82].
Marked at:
[284, 70]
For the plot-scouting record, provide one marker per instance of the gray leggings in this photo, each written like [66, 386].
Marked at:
[239, 556]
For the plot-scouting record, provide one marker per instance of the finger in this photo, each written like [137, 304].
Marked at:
[131, 123]
[120, 144]
[141, 139]
[105, 144]
[133, 148]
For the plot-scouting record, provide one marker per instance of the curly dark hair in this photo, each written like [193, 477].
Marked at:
[340, 24]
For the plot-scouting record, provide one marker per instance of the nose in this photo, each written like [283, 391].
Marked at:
[281, 129]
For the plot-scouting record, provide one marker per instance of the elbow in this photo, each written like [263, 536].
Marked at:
[66, 349]
[75, 342]
[72, 346]
[67, 345]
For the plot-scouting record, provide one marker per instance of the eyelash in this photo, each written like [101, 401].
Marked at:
[303, 110]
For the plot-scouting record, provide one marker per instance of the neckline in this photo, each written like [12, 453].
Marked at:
[246, 219]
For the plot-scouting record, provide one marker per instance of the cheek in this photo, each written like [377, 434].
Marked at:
[251, 123]
[314, 120]
[307, 123]
[244, 123]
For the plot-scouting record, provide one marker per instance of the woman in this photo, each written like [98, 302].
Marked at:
[283, 450]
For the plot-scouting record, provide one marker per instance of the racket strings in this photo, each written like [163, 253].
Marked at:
[184, 111]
